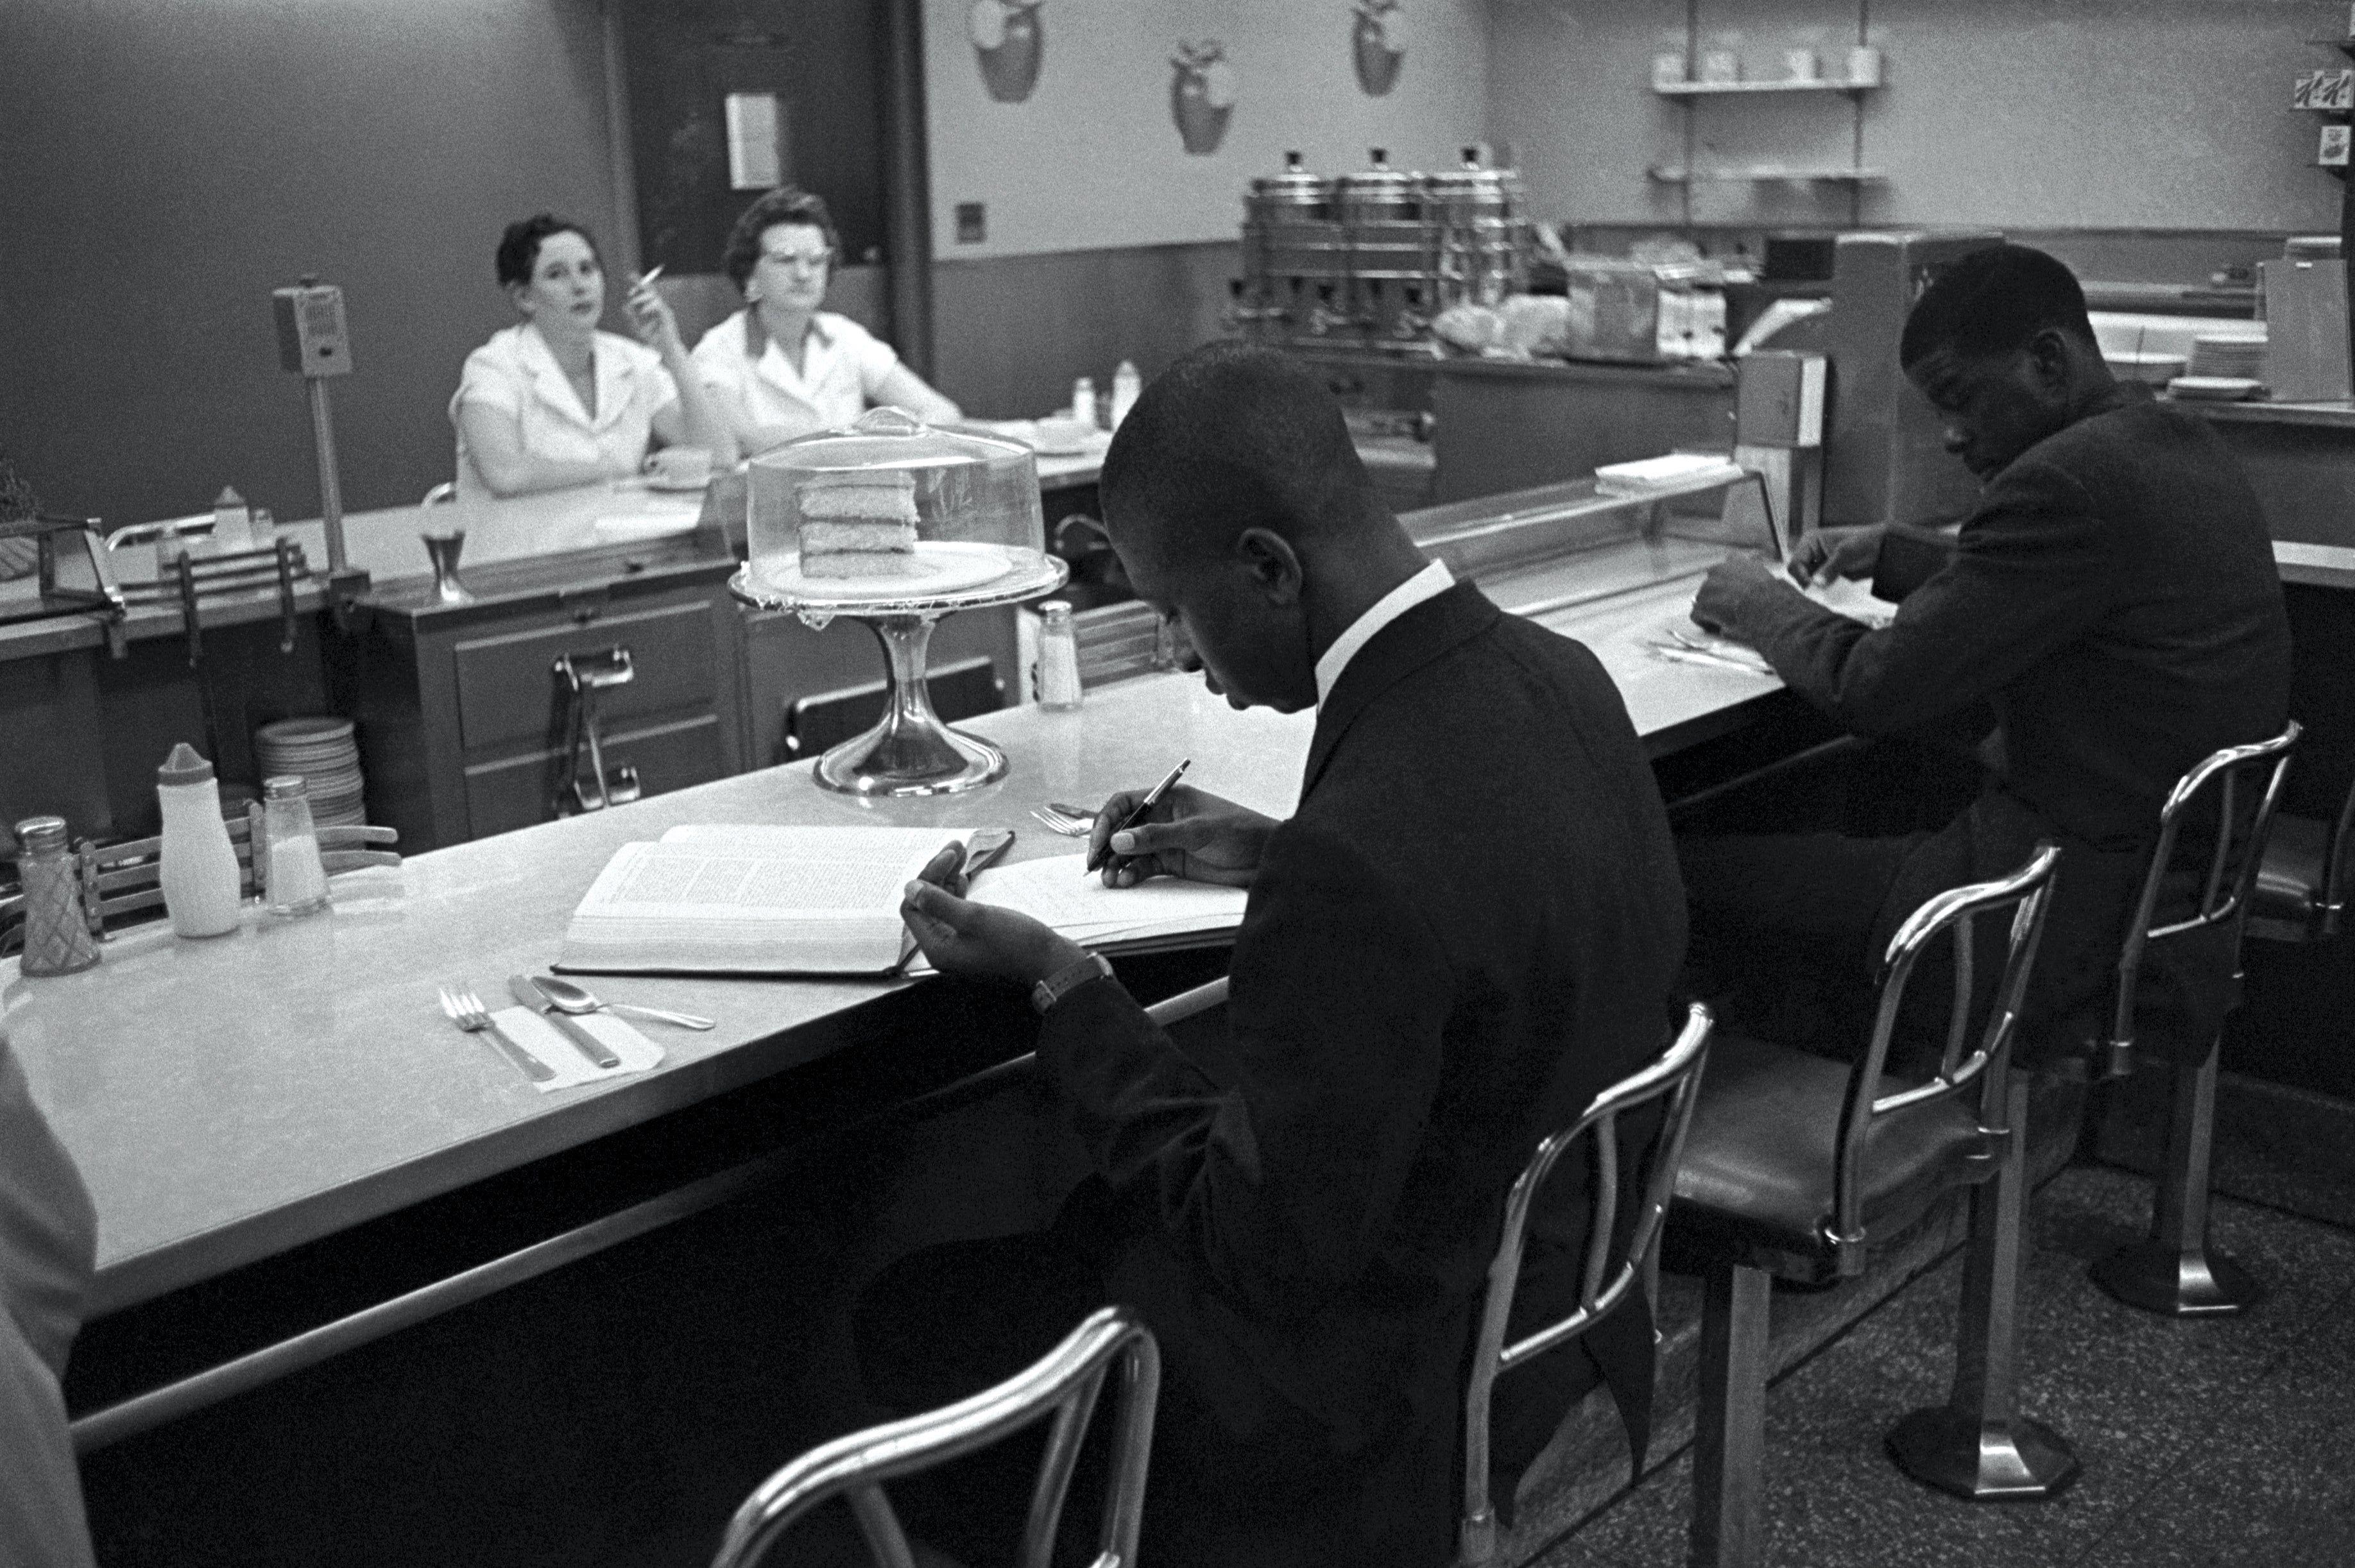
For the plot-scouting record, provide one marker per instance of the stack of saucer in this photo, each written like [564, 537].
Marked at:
[322, 753]
[2237, 355]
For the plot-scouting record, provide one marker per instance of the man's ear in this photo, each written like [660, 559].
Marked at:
[1273, 564]
[2049, 357]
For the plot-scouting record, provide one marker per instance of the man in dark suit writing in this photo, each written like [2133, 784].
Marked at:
[1471, 925]
[2109, 615]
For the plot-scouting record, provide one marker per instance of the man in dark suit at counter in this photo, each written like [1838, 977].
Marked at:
[2107, 616]
[1471, 924]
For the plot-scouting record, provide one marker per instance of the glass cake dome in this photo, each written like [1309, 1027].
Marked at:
[875, 502]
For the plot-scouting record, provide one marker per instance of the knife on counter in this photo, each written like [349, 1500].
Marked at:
[595, 1050]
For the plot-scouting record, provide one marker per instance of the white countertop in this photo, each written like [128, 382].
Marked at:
[226, 1100]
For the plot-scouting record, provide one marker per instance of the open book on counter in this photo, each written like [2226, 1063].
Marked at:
[729, 899]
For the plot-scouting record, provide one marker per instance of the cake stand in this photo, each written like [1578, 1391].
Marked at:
[910, 752]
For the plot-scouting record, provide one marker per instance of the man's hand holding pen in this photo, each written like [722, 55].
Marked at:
[1188, 833]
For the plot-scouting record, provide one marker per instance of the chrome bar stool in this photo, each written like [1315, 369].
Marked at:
[1066, 1383]
[2302, 883]
[2173, 1272]
[1607, 1280]
[1795, 1163]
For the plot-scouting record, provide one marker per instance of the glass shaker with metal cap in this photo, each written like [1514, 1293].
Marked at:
[57, 927]
[286, 861]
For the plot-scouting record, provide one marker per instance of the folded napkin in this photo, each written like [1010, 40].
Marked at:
[532, 1031]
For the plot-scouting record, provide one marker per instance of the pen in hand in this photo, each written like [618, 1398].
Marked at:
[1143, 809]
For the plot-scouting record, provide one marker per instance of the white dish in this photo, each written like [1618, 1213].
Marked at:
[675, 486]
[2214, 388]
[644, 526]
[939, 566]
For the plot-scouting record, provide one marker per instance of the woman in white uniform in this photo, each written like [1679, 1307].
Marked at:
[552, 402]
[781, 367]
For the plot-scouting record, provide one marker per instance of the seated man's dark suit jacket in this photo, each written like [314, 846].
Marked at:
[48, 1238]
[1471, 925]
[2114, 601]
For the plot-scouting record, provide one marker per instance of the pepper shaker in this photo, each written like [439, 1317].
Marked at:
[56, 928]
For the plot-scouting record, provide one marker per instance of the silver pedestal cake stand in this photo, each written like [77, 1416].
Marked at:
[910, 752]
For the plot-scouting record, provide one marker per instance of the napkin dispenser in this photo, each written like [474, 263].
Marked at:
[2305, 329]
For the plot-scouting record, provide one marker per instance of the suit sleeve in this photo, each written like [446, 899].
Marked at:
[1278, 1187]
[1909, 557]
[41, 1523]
[2028, 573]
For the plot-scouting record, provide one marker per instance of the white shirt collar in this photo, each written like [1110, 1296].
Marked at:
[611, 368]
[776, 366]
[1429, 583]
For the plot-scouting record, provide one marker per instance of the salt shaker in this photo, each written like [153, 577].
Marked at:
[1059, 657]
[286, 857]
[56, 928]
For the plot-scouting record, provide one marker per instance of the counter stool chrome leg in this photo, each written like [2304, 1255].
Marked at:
[2174, 1272]
[1977, 1445]
[1730, 1423]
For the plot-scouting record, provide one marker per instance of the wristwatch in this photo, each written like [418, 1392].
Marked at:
[1066, 980]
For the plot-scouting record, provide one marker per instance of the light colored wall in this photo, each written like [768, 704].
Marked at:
[1093, 160]
[163, 167]
[2016, 114]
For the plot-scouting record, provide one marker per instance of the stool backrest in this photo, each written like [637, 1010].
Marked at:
[1065, 1383]
[2234, 860]
[1605, 1281]
[1963, 1059]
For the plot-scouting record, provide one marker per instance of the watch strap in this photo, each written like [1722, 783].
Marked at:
[1069, 978]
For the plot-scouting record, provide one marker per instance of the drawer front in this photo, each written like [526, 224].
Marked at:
[508, 689]
[518, 792]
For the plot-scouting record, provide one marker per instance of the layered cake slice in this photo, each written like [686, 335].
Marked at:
[859, 522]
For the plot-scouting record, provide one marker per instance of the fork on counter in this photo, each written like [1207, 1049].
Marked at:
[1069, 821]
[466, 1009]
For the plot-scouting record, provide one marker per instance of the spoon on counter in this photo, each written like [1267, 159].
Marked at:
[567, 998]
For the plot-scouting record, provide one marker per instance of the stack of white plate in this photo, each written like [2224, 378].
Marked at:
[322, 753]
[2144, 364]
[2234, 357]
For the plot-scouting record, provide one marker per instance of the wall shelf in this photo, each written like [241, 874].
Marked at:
[1715, 88]
[1767, 174]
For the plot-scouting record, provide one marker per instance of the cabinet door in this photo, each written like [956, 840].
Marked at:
[519, 790]
[508, 690]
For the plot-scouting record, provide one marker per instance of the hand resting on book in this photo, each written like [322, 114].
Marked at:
[979, 940]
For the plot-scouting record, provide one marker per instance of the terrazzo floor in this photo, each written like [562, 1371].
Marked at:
[2223, 1442]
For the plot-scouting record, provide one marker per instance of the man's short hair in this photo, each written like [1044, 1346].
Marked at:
[1993, 302]
[1231, 436]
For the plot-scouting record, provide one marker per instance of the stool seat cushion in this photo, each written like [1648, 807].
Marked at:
[2289, 881]
[1754, 1185]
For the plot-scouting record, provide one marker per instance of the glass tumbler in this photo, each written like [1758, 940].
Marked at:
[286, 861]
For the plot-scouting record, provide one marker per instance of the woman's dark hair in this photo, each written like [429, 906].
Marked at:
[519, 246]
[786, 204]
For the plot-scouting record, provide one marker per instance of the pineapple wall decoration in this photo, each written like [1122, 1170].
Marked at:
[1201, 94]
[1378, 44]
[1009, 43]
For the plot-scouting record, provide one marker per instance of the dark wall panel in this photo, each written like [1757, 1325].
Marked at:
[1012, 332]
[165, 165]
[818, 56]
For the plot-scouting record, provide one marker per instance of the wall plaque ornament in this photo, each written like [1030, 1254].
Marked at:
[1202, 94]
[1378, 42]
[1008, 43]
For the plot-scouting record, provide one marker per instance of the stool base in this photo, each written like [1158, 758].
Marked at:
[2025, 1461]
[2167, 1280]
